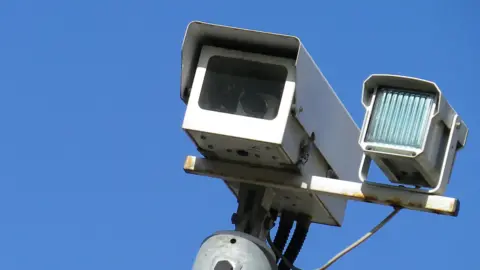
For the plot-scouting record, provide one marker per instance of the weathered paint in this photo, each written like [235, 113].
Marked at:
[364, 192]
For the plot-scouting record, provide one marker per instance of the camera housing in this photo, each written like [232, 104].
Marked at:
[410, 131]
[239, 105]
[258, 98]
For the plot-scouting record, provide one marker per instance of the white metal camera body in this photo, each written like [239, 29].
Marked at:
[259, 98]
[410, 131]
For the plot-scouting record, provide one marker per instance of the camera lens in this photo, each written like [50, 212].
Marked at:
[254, 105]
[242, 87]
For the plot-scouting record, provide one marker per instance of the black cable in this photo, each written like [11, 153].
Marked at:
[296, 243]
[278, 253]
[286, 223]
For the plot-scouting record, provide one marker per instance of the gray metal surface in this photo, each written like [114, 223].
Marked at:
[254, 204]
[319, 109]
[230, 250]
[366, 192]
[323, 113]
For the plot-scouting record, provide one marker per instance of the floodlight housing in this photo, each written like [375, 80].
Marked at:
[410, 131]
[259, 98]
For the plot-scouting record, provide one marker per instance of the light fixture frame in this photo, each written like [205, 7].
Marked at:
[442, 118]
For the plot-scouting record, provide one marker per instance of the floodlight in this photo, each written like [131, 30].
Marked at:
[410, 131]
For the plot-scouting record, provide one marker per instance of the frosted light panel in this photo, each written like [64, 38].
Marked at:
[400, 118]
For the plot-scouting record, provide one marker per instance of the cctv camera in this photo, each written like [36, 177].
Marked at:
[259, 98]
[410, 131]
[239, 106]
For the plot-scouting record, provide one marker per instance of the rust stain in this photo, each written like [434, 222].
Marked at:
[399, 202]
[363, 197]
[416, 205]
[189, 163]
[394, 202]
[356, 195]
[370, 198]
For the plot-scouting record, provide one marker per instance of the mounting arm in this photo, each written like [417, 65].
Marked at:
[365, 192]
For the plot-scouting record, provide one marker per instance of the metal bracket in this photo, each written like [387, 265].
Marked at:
[305, 149]
[254, 203]
[365, 192]
[447, 163]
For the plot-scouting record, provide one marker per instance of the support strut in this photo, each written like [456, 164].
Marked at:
[245, 248]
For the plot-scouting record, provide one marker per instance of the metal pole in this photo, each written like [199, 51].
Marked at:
[245, 248]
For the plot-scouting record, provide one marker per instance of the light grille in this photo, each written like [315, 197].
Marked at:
[400, 118]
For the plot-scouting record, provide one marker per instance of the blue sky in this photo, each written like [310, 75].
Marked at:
[91, 149]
